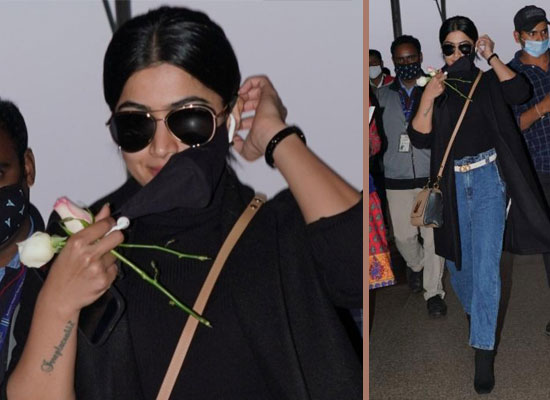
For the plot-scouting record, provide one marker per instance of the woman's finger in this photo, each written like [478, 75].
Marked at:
[108, 259]
[104, 212]
[238, 143]
[249, 83]
[112, 271]
[108, 243]
[253, 82]
[251, 105]
[94, 231]
[246, 123]
[254, 93]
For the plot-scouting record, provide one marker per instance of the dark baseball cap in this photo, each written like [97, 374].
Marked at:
[528, 17]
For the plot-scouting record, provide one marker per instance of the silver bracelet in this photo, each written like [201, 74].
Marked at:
[541, 116]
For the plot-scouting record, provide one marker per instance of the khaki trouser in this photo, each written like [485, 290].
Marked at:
[400, 203]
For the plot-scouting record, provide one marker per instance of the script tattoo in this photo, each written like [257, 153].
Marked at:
[428, 110]
[47, 366]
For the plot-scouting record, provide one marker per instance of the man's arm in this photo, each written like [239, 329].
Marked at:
[536, 112]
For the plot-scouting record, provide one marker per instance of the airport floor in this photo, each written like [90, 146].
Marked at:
[414, 357]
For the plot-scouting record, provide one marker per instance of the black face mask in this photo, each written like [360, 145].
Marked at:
[407, 72]
[188, 180]
[14, 208]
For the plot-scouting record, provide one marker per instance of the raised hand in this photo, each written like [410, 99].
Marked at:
[258, 94]
[435, 86]
[84, 269]
[485, 46]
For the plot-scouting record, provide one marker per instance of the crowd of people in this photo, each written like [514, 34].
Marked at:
[496, 183]
[86, 327]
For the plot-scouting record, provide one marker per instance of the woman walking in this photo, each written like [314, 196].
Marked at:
[489, 190]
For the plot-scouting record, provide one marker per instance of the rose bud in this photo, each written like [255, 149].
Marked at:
[67, 209]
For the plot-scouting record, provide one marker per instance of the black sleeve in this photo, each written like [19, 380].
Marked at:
[420, 140]
[337, 246]
[516, 90]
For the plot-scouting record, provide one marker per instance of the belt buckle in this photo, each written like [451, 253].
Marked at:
[464, 168]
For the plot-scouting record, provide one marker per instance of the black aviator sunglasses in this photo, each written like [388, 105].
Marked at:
[448, 49]
[192, 124]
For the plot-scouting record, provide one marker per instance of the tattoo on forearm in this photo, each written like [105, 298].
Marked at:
[428, 110]
[47, 366]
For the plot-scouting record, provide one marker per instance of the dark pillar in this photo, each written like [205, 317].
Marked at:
[396, 18]
[123, 11]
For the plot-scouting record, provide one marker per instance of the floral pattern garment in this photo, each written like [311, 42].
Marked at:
[380, 272]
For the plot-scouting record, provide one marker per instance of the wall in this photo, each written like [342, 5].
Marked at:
[421, 19]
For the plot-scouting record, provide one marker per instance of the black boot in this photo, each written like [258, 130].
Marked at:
[484, 380]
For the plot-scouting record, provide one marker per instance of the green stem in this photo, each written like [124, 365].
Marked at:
[153, 282]
[458, 80]
[160, 248]
[458, 91]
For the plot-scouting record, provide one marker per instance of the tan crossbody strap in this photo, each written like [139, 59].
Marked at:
[459, 122]
[191, 324]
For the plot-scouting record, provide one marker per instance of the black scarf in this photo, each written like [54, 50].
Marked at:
[188, 180]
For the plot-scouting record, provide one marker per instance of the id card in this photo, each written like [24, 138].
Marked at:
[404, 143]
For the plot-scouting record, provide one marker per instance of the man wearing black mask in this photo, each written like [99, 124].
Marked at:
[406, 171]
[18, 218]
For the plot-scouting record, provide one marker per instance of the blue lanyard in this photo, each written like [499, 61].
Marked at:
[407, 110]
[5, 321]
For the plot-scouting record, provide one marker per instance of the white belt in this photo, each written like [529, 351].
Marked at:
[469, 167]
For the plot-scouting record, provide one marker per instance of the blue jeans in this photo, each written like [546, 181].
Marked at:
[481, 200]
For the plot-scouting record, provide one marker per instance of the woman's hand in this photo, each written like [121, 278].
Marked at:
[485, 46]
[84, 269]
[435, 86]
[258, 94]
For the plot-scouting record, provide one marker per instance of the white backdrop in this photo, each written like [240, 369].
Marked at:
[421, 19]
[51, 57]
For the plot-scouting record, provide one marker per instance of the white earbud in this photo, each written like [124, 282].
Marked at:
[121, 223]
[232, 126]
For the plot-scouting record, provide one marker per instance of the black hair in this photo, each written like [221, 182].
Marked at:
[375, 53]
[405, 39]
[12, 122]
[458, 23]
[179, 36]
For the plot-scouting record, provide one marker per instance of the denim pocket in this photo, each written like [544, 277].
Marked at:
[502, 182]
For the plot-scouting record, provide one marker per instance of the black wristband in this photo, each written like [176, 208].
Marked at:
[289, 130]
[491, 57]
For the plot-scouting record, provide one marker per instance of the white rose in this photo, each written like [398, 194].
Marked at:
[422, 81]
[36, 250]
[67, 209]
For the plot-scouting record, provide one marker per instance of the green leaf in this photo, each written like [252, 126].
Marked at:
[58, 242]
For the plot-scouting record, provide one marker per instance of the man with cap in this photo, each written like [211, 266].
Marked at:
[533, 61]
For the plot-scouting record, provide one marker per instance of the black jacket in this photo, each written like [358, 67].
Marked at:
[288, 277]
[528, 223]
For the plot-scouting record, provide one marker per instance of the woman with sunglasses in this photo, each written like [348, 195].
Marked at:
[171, 80]
[487, 183]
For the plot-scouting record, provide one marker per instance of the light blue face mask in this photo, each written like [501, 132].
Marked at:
[536, 48]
